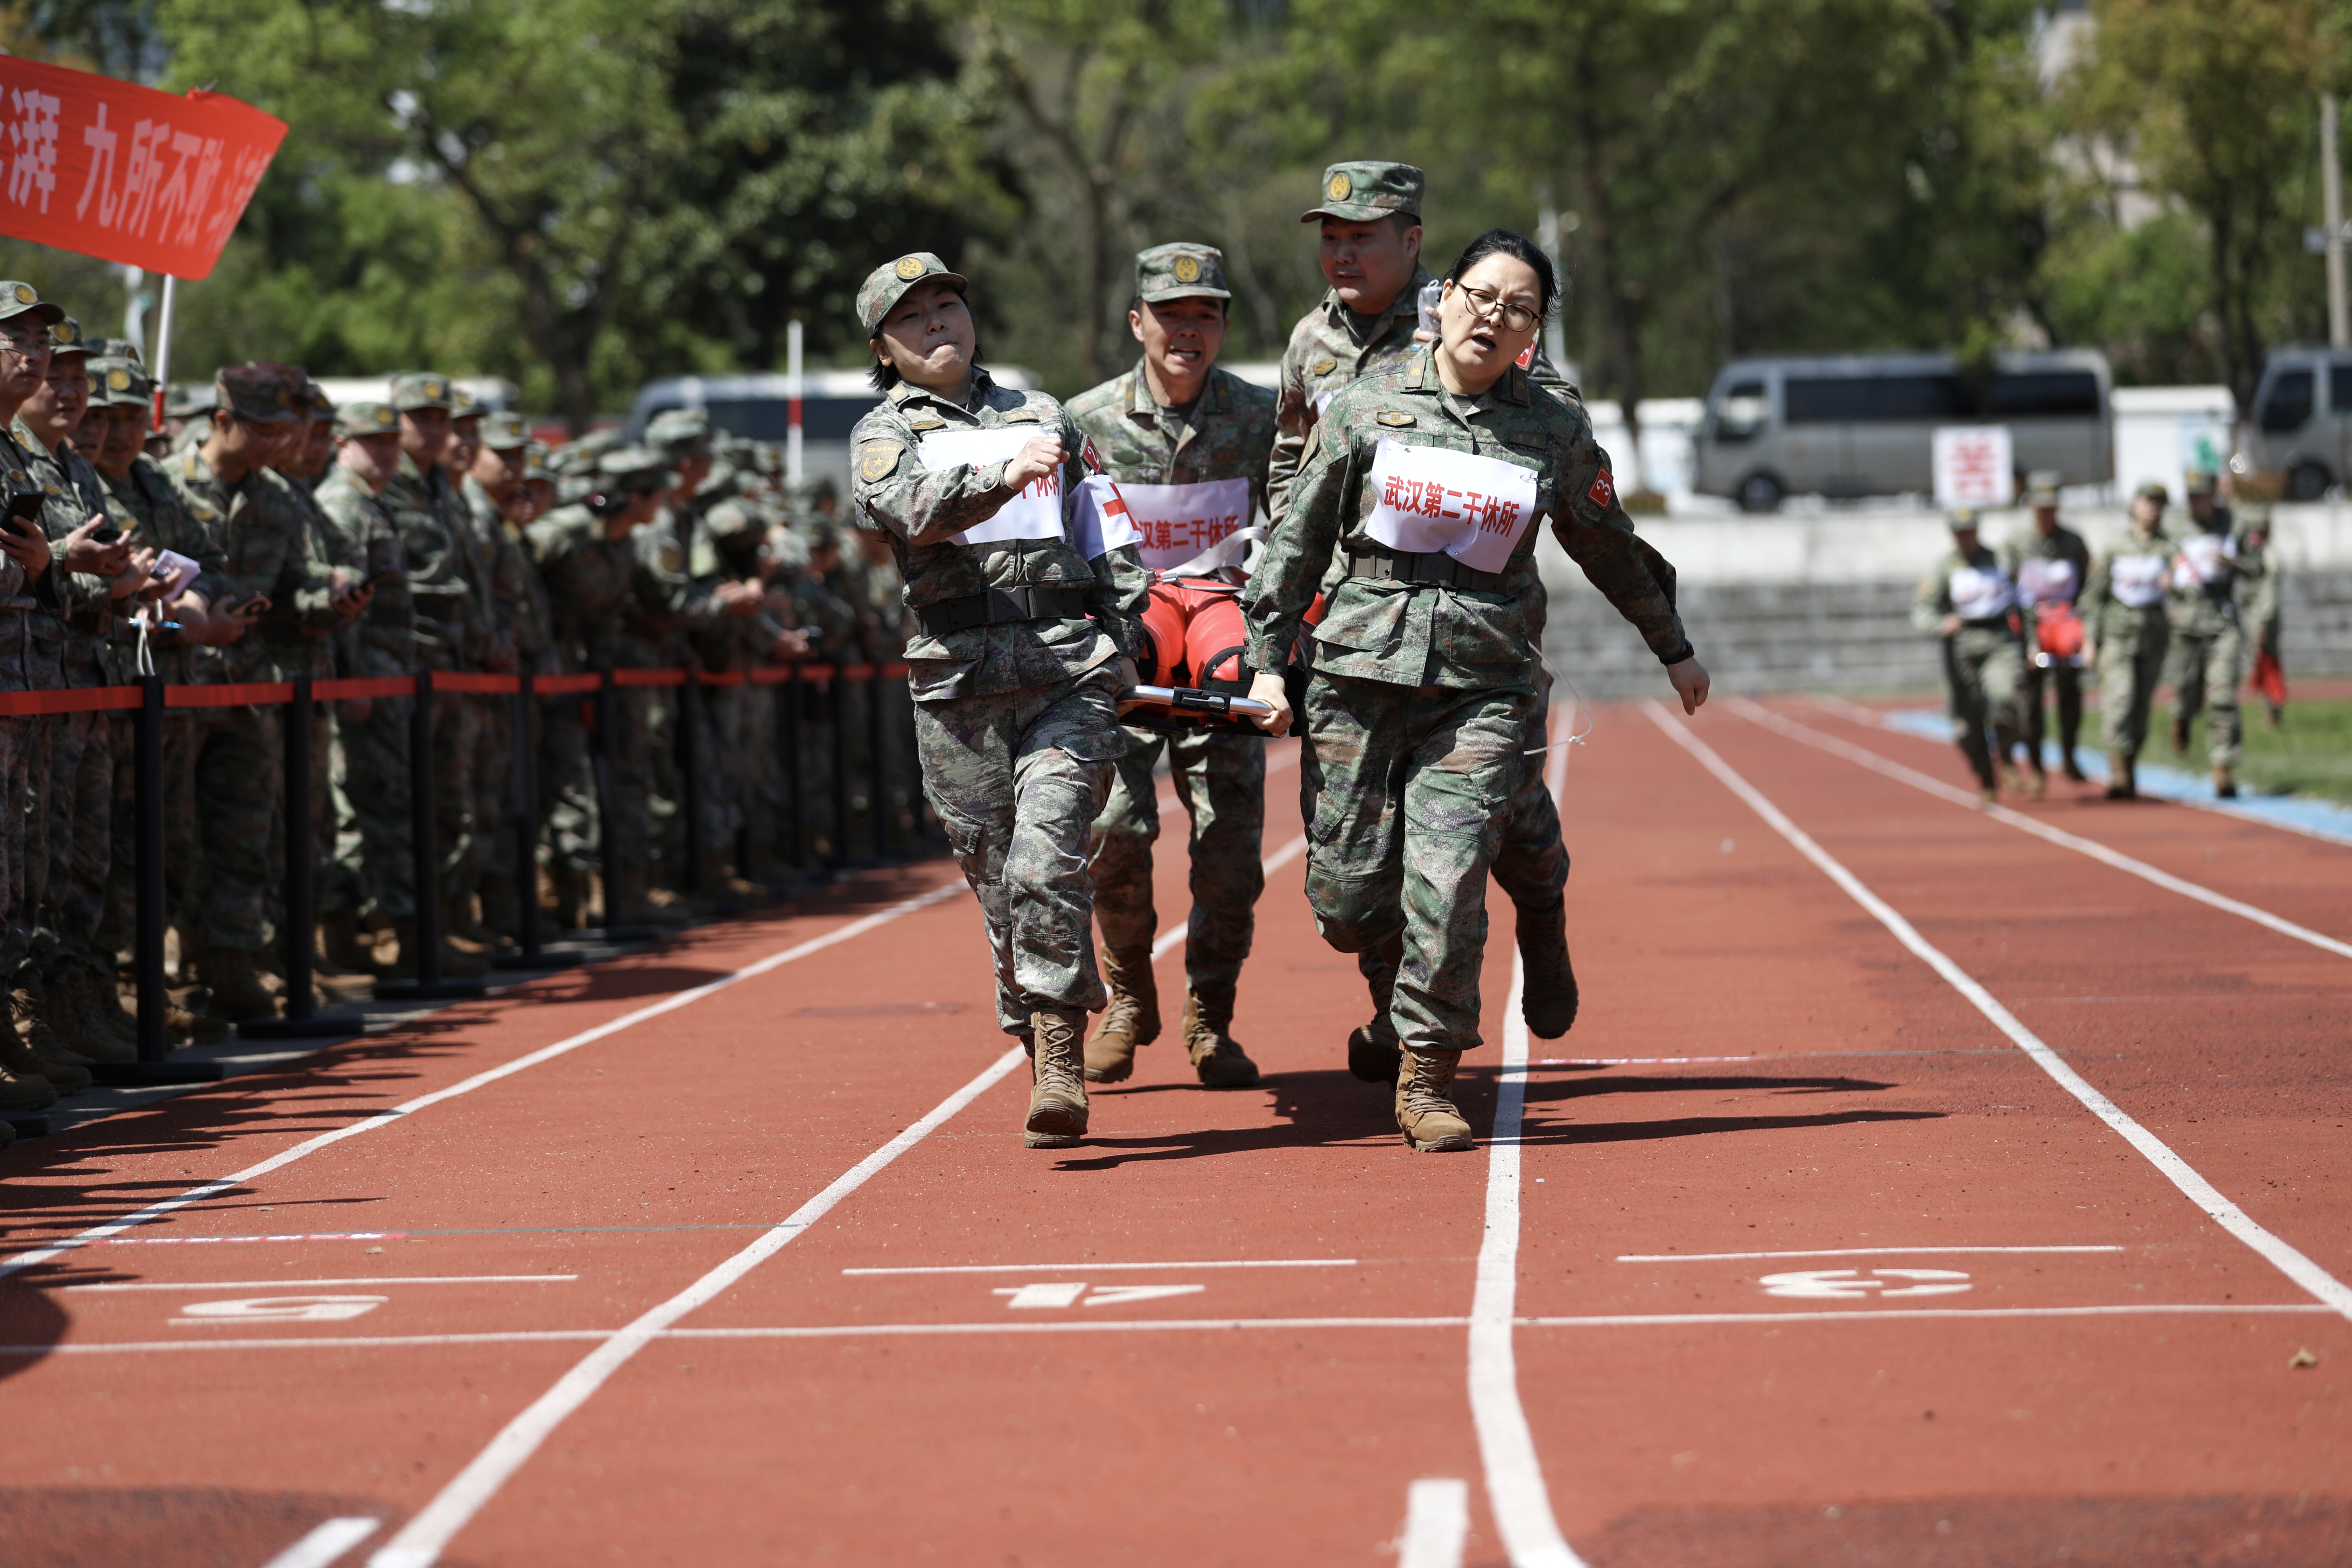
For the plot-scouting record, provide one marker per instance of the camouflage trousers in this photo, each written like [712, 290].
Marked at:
[120, 926]
[376, 861]
[2130, 665]
[492, 846]
[1407, 793]
[17, 750]
[748, 733]
[1017, 780]
[319, 809]
[2207, 667]
[1220, 779]
[1984, 682]
[239, 776]
[2067, 680]
[74, 811]
[573, 817]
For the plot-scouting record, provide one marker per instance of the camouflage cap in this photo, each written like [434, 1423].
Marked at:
[258, 394]
[118, 381]
[578, 456]
[2153, 491]
[1181, 271]
[421, 389]
[22, 299]
[628, 468]
[886, 284]
[184, 402]
[1962, 517]
[2041, 487]
[504, 431]
[677, 427]
[323, 407]
[2200, 481]
[535, 467]
[66, 340]
[1364, 193]
[117, 348]
[369, 416]
[464, 404]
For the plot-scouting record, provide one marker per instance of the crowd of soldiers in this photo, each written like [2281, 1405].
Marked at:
[273, 535]
[2196, 604]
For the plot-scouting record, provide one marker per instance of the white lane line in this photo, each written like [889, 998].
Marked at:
[1806, 734]
[671, 1004]
[1835, 1252]
[1153, 1325]
[275, 1284]
[325, 1543]
[2286, 1259]
[1107, 1268]
[420, 1541]
[1506, 1448]
[1436, 1523]
[1272, 863]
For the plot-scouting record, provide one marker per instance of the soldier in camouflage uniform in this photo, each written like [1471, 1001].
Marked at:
[743, 716]
[1966, 600]
[2125, 633]
[1029, 624]
[823, 606]
[1431, 478]
[2259, 574]
[2210, 652]
[376, 879]
[267, 554]
[2049, 563]
[1369, 227]
[1189, 443]
[492, 490]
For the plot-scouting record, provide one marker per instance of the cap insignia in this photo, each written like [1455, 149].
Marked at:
[118, 380]
[910, 267]
[1187, 269]
[1338, 186]
[25, 295]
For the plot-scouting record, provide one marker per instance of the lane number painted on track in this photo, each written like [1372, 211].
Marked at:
[1068, 1295]
[281, 1310]
[1845, 1285]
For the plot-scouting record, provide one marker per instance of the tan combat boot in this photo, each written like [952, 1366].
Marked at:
[74, 1018]
[26, 1093]
[455, 965]
[1220, 1062]
[1547, 1000]
[2225, 782]
[1133, 1018]
[1424, 1114]
[2122, 784]
[1057, 1083]
[340, 944]
[237, 993]
[59, 1065]
[104, 1004]
[29, 1017]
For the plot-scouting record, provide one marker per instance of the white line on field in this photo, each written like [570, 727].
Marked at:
[155, 1210]
[1107, 1268]
[2129, 1310]
[420, 1541]
[1436, 1522]
[1833, 1252]
[273, 1284]
[2286, 1259]
[1755, 713]
[1507, 1446]
[1272, 863]
[325, 1543]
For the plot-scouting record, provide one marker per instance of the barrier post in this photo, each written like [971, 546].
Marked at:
[423, 822]
[877, 775]
[526, 816]
[689, 785]
[608, 848]
[836, 691]
[147, 935]
[789, 742]
[301, 1021]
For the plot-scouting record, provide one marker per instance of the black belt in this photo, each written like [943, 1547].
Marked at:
[997, 606]
[1986, 623]
[1422, 566]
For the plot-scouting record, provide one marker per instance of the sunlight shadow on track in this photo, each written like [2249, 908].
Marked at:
[1712, 1126]
[1577, 1089]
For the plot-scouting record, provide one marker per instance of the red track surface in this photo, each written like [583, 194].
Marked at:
[1856, 1100]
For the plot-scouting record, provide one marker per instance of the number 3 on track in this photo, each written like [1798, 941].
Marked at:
[1845, 1285]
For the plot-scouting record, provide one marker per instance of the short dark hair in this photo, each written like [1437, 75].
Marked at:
[1520, 247]
[883, 377]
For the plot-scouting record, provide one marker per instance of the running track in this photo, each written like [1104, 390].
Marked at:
[1915, 1189]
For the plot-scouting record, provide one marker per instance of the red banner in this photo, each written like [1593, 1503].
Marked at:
[114, 169]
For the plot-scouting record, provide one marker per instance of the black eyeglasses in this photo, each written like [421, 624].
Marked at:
[1484, 302]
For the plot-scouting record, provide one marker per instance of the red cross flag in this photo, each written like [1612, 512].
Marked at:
[1974, 465]
[125, 173]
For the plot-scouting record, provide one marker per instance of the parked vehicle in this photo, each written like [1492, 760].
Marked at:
[1865, 424]
[2303, 420]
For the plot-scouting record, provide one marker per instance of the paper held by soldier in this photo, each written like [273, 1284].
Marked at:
[1431, 499]
[1034, 513]
[1174, 523]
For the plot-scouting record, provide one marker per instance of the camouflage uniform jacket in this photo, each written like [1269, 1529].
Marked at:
[2212, 608]
[1326, 351]
[1228, 433]
[265, 548]
[1422, 635]
[1935, 598]
[590, 582]
[673, 614]
[327, 544]
[82, 638]
[923, 510]
[437, 543]
[28, 662]
[161, 520]
[517, 598]
[384, 640]
[2104, 614]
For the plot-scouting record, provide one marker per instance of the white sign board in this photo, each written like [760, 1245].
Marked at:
[1974, 467]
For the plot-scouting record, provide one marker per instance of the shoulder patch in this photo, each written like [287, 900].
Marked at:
[875, 460]
[1021, 416]
[922, 422]
[1323, 367]
[1396, 417]
[1604, 494]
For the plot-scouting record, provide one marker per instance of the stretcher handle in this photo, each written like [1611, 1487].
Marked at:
[1192, 699]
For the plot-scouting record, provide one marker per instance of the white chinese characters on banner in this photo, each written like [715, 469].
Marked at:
[2205, 559]
[1174, 523]
[2047, 580]
[1034, 513]
[1975, 466]
[2137, 580]
[32, 145]
[1979, 595]
[1432, 499]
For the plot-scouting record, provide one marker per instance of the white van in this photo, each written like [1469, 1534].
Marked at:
[2303, 420]
[1865, 424]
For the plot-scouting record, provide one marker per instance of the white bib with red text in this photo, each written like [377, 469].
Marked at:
[1979, 593]
[1034, 513]
[1429, 498]
[2204, 560]
[2046, 581]
[1176, 522]
[2138, 580]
